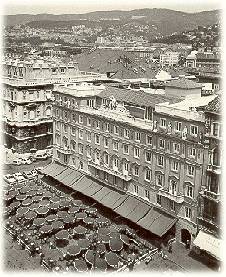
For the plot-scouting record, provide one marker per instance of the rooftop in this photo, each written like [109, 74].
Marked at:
[214, 105]
[183, 83]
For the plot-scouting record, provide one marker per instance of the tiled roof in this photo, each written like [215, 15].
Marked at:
[183, 83]
[137, 97]
[214, 105]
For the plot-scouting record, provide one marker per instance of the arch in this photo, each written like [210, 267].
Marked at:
[185, 236]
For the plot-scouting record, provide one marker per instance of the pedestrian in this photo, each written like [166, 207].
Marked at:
[170, 246]
[188, 244]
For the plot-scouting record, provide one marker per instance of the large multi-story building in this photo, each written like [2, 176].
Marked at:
[148, 146]
[27, 101]
[169, 58]
[209, 227]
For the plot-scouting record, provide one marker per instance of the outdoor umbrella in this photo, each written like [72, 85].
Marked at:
[19, 186]
[37, 198]
[80, 230]
[81, 215]
[115, 244]
[68, 219]
[84, 244]
[44, 203]
[57, 225]
[90, 256]
[8, 197]
[125, 239]
[88, 220]
[115, 234]
[91, 210]
[62, 214]
[47, 194]
[21, 197]
[51, 217]
[22, 211]
[65, 203]
[46, 229]
[103, 231]
[30, 215]
[73, 250]
[42, 210]
[101, 221]
[80, 265]
[25, 189]
[27, 202]
[100, 264]
[54, 206]
[62, 235]
[104, 238]
[39, 192]
[31, 193]
[101, 248]
[38, 222]
[15, 204]
[53, 255]
[34, 206]
[73, 210]
[112, 259]
[77, 202]
[54, 199]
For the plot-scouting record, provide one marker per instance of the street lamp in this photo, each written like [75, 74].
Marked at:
[95, 241]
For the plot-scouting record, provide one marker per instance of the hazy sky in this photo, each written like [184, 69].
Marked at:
[83, 6]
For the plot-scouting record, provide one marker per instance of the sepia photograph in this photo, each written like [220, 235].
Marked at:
[111, 138]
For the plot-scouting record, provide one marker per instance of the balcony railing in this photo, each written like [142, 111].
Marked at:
[28, 122]
[177, 198]
[214, 168]
[110, 171]
[211, 195]
[64, 150]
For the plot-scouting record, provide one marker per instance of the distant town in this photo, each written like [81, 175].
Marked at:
[111, 141]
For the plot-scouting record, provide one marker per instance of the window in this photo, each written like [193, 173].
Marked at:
[149, 140]
[172, 205]
[161, 143]
[98, 124]
[163, 122]
[90, 103]
[80, 149]
[106, 142]
[80, 119]
[115, 179]
[80, 134]
[160, 160]
[178, 126]
[148, 175]
[159, 199]
[115, 163]
[107, 127]
[115, 145]
[106, 158]
[173, 187]
[65, 128]
[73, 145]
[88, 152]
[216, 129]
[147, 194]
[97, 139]
[194, 130]
[126, 149]
[24, 95]
[189, 191]
[81, 165]
[176, 147]
[191, 170]
[174, 165]
[97, 157]
[188, 212]
[88, 121]
[88, 138]
[126, 167]
[136, 170]
[159, 180]
[97, 172]
[136, 152]
[116, 130]
[126, 133]
[73, 117]
[106, 176]
[192, 152]
[136, 189]
[137, 136]
[148, 156]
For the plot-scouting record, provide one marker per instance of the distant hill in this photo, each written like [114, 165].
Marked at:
[166, 21]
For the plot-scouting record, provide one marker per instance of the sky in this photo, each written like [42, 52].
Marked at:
[83, 6]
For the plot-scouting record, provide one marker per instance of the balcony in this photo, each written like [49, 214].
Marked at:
[110, 171]
[214, 168]
[177, 198]
[64, 150]
[211, 195]
[28, 122]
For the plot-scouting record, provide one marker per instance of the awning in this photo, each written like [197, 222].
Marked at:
[82, 185]
[156, 222]
[110, 199]
[140, 211]
[57, 170]
[101, 194]
[71, 178]
[95, 187]
[209, 243]
[47, 169]
[63, 174]
[127, 206]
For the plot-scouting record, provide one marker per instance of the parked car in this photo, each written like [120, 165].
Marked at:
[9, 179]
[17, 161]
[19, 177]
[28, 175]
[26, 161]
[41, 156]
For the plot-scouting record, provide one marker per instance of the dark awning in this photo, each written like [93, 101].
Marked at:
[127, 206]
[140, 211]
